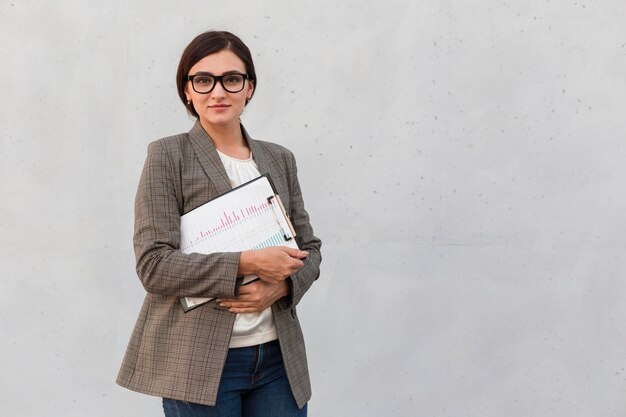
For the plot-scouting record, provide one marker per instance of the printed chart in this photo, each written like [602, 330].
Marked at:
[248, 217]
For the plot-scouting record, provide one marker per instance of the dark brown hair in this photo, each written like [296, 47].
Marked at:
[208, 43]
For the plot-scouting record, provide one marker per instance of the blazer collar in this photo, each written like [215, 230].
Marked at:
[211, 162]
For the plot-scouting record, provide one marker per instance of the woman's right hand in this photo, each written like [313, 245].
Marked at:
[272, 264]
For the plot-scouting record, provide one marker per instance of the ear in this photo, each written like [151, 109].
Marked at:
[250, 90]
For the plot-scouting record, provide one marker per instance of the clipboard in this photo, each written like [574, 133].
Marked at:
[250, 216]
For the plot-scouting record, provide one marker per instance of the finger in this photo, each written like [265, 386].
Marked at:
[294, 253]
[226, 300]
[246, 310]
[240, 302]
[229, 306]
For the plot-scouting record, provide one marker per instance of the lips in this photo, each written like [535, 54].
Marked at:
[219, 106]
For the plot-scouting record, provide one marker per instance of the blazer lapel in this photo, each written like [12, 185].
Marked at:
[209, 159]
[212, 164]
[270, 163]
[258, 154]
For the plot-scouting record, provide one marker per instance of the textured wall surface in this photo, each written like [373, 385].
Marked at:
[463, 163]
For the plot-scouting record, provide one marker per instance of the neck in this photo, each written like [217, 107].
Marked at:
[225, 136]
[229, 140]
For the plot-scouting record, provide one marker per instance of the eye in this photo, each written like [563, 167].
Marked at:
[233, 80]
[203, 80]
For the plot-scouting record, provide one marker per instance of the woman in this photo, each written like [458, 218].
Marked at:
[243, 353]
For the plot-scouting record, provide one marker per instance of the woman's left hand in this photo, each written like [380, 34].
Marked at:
[255, 297]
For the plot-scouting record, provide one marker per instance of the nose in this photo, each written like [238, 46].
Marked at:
[218, 90]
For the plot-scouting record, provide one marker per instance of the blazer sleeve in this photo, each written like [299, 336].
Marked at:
[302, 280]
[162, 268]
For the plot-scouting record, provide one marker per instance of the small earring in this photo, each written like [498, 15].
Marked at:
[188, 101]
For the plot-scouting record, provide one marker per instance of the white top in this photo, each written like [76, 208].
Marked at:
[250, 329]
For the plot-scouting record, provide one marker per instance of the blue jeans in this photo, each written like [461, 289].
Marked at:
[253, 384]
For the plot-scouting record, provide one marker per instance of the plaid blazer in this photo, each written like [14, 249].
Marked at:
[181, 355]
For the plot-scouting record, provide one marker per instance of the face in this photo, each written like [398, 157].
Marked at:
[219, 108]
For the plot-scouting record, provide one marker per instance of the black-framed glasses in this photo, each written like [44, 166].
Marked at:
[205, 83]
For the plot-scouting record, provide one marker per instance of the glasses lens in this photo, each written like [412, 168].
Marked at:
[233, 83]
[203, 83]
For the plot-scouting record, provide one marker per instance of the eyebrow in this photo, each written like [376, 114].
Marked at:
[214, 75]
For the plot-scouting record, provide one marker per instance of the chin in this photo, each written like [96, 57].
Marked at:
[221, 121]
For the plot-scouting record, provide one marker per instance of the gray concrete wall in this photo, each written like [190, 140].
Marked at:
[463, 163]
